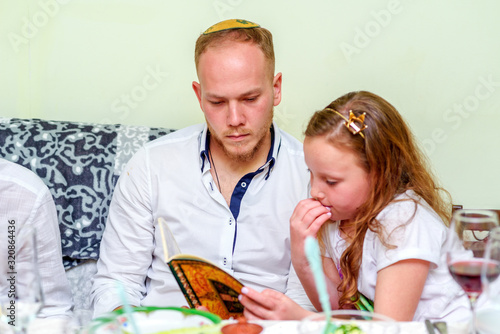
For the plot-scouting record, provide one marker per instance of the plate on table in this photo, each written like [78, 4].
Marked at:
[157, 320]
[349, 322]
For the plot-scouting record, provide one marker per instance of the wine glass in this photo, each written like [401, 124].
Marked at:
[22, 297]
[487, 319]
[468, 234]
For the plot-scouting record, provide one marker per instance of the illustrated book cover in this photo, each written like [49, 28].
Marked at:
[205, 284]
[202, 282]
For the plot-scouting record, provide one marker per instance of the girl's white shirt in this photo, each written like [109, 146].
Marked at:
[418, 232]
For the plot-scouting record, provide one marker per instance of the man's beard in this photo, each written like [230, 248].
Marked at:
[243, 156]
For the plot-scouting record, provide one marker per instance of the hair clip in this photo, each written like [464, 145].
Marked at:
[354, 124]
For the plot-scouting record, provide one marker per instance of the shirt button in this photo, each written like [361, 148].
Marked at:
[230, 221]
[243, 184]
[225, 261]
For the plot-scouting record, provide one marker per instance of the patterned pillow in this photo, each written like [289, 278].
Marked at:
[80, 163]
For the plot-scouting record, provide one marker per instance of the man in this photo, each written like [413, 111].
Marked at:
[27, 208]
[226, 188]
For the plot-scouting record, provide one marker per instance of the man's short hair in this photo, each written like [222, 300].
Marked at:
[259, 36]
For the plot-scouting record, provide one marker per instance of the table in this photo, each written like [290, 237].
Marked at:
[370, 327]
[57, 326]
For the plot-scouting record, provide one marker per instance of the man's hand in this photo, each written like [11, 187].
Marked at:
[202, 308]
[270, 305]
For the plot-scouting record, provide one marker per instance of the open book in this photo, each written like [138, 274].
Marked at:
[202, 282]
[205, 284]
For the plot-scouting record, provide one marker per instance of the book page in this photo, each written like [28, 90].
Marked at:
[170, 247]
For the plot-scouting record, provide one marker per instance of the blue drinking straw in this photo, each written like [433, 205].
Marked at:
[314, 258]
[126, 307]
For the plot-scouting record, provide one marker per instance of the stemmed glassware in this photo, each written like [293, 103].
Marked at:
[487, 317]
[469, 232]
[22, 297]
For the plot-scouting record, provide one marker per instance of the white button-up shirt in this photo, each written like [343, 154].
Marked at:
[25, 201]
[170, 178]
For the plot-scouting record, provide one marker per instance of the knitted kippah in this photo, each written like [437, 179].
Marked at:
[230, 24]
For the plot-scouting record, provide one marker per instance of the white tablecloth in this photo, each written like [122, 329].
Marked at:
[58, 326]
[369, 327]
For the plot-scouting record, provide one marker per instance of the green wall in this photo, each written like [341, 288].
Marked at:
[131, 62]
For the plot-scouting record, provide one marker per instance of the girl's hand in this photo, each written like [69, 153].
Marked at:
[270, 305]
[307, 218]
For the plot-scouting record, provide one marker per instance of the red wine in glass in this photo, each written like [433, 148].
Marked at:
[468, 235]
[467, 273]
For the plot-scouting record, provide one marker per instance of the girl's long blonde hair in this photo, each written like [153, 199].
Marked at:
[394, 163]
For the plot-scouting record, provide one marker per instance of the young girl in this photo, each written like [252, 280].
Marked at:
[378, 215]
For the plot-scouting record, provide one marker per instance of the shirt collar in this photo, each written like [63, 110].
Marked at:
[271, 156]
[203, 147]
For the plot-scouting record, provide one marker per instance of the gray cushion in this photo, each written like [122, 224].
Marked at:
[80, 163]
